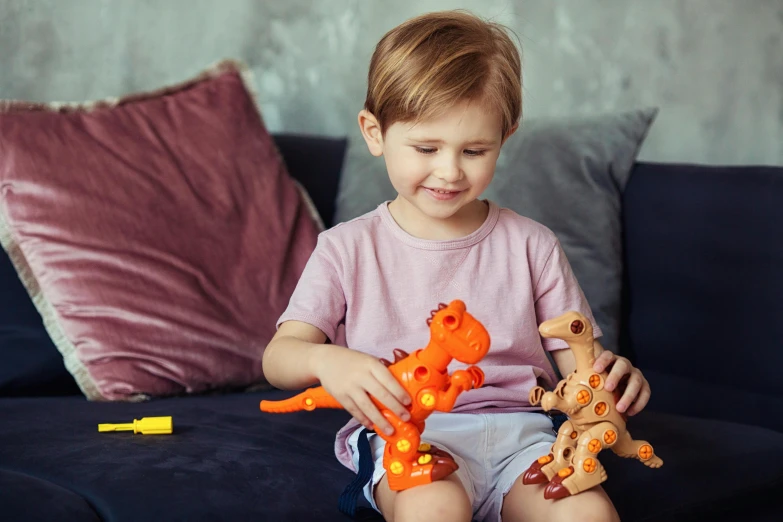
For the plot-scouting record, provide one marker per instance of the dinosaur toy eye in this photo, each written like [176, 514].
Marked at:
[577, 327]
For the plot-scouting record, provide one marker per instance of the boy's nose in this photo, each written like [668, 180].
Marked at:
[450, 172]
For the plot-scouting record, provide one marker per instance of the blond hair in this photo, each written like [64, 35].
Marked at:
[434, 61]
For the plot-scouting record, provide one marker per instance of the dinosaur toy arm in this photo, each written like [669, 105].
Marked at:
[460, 381]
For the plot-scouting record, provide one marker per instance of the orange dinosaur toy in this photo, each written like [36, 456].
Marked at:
[594, 424]
[454, 334]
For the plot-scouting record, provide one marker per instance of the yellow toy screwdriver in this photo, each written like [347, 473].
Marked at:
[145, 426]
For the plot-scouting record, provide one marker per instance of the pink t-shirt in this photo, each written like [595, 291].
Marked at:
[370, 286]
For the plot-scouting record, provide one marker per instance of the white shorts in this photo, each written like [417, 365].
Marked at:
[492, 451]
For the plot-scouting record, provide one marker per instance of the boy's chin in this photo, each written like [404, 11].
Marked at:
[442, 210]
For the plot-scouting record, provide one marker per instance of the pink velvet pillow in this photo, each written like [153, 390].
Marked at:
[159, 235]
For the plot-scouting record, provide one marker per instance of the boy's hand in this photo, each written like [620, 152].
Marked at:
[637, 389]
[349, 376]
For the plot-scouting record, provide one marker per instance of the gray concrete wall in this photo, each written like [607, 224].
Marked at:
[714, 67]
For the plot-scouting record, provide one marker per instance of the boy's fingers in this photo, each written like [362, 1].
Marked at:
[631, 392]
[389, 401]
[356, 413]
[390, 383]
[641, 400]
[619, 369]
[368, 408]
[603, 360]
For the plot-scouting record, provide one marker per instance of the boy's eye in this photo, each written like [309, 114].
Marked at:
[467, 152]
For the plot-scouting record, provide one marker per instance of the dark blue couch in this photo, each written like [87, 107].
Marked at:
[702, 304]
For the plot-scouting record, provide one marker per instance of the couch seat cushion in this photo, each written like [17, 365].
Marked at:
[226, 460]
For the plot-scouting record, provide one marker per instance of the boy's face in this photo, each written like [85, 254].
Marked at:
[439, 166]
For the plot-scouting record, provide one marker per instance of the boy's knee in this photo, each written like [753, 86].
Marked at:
[601, 513]
[597, 509]
[442, 500]
[604, 512]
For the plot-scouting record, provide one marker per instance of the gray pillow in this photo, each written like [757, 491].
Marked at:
[568, 174]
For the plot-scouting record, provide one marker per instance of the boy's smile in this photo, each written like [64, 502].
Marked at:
[442, 195]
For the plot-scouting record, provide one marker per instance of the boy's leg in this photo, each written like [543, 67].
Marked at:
[527, 503]
[444, 499]
[526, 437]
[423, 502]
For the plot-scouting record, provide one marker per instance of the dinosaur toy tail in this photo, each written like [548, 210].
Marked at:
[308, 400]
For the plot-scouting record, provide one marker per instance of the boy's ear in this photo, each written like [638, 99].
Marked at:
[510, 133]
[371, 131]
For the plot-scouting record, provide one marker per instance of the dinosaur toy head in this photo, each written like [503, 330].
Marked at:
[579, 394]
[577, 330]
[459, 333]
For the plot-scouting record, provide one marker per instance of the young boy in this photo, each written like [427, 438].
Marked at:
[444, 94]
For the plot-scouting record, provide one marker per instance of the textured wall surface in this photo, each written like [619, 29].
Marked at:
[714, 67]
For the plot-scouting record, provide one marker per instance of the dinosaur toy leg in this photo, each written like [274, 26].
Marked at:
[638, 449]
[585, 470]
[407, 461]
[543, 469]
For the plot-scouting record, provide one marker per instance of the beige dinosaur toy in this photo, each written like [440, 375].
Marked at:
[593, 422]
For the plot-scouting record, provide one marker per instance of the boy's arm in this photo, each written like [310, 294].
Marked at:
[288, 357]
[566, 363]
[297, 357]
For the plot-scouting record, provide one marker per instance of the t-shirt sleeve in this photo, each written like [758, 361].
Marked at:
[557, 292]
[319, 298]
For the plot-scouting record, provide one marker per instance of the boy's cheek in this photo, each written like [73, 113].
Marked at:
[405, 168]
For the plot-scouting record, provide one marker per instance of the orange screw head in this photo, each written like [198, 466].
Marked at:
[565, 472]
[546, 459]
[404, 445]
[396, 467]
[645, 452]
[425, 459]
[428, 400]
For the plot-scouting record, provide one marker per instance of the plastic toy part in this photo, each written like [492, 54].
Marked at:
[593, 422]
[145, 426]
[454, 334]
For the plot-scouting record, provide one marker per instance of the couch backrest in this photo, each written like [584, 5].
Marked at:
[316, 162]
[704, 285]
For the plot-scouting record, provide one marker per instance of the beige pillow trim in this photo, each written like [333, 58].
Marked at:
[48, 314]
